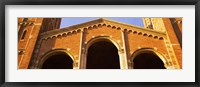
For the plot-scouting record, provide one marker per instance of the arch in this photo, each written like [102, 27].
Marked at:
[108, 25]
[150, 51]
[102, 38]
[150, 35]
[113, 27]
[129, 31]
[69, 33]
[119, 28]
[53, 37]
[84, 28]
[58, 61]
[59, 35]
[145, 34]
[125, 29]
[53, 52]
[48, 38]
[98, 39]
[99, 25]
[155, 37]
[23, 35]
[74, 31]
[64, 34]
[95, 26]
[140, 33]
[89, 27]
[161, 38]
[112, 57]
[135, 32]
[79, 30]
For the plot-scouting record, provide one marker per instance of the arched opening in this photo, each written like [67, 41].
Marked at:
[58, 61]
[148, 61]
[23, 35]
[102, 55]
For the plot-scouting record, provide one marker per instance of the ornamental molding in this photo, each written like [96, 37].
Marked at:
[102, 22]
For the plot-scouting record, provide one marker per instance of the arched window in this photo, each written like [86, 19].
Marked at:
[23, 35]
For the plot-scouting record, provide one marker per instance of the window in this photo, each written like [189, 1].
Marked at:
[25, 19]
[23, 35]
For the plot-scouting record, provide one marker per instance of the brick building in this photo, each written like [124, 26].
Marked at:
[100, 44]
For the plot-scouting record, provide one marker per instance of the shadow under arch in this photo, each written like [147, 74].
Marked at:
[96, 40]
[150, 51]
[102, 38]
[54, 52]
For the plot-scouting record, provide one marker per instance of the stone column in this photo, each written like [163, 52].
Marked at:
[82, 55]
[75, 64]
[123, 53]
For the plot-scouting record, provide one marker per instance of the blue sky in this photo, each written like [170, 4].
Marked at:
[65, 22]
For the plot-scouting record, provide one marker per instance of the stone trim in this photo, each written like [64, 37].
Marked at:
[99, 23]
[41, 60]
[151, 50]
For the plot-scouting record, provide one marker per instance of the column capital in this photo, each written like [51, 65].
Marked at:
[75, 64]
[121, 51]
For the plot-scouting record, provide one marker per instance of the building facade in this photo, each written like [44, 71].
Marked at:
[100, 44]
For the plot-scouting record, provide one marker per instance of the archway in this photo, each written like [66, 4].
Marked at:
[102, 55]
[58, 61]
[147, 59]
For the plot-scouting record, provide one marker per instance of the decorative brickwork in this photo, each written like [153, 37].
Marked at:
[129, 40]
[26, 45]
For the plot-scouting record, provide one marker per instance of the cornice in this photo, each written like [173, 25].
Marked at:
[98, 23]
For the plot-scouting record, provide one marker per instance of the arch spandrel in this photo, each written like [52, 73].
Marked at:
[104, 31]
[135, 41]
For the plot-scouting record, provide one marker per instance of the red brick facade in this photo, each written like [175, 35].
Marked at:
[44, 39]
[26, 45]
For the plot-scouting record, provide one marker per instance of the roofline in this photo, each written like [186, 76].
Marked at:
[93, 22]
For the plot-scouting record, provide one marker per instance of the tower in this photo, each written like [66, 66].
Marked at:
[154, 23]
[173, 29]
[29, 30]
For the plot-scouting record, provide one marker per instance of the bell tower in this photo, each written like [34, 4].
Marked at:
[173, 29]
[148, 23]
[29, 30]
[154, 24]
